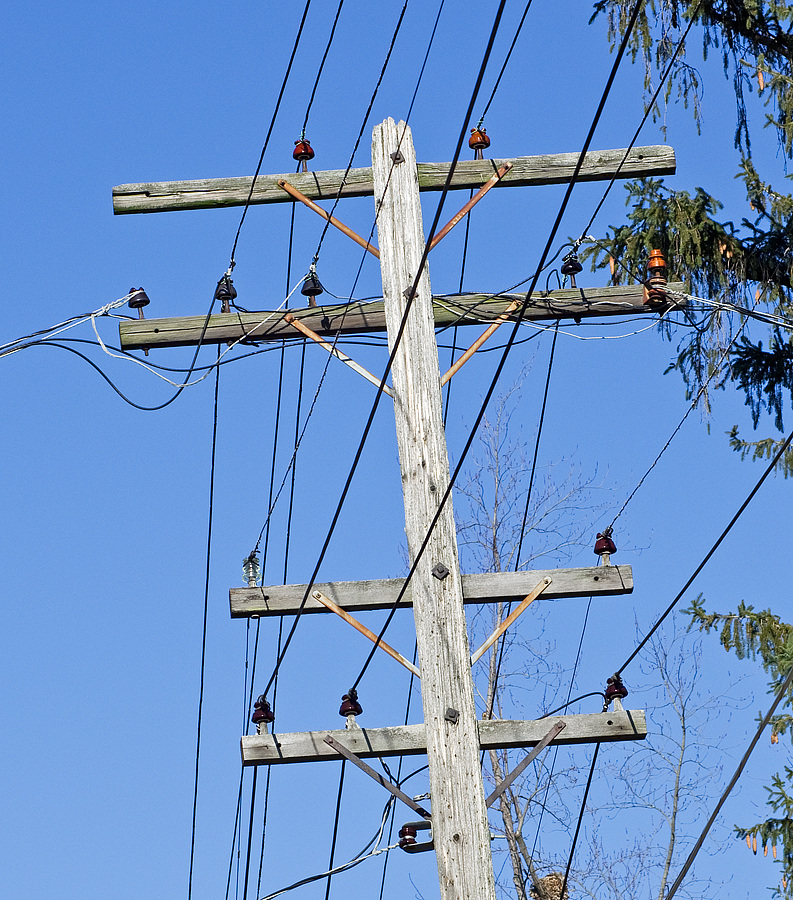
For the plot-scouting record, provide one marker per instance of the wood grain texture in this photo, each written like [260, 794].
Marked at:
[364, 318]
[460, 828]
[557, 168]
[410, 740]
[494, 587]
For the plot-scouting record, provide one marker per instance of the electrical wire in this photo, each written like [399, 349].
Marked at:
[397, 341]
[362, 857]
[232, 259]
[771, 466]
[580, 818]
[552, 236]
[504, 65]
[335, 828]
[319, 71]
[733, 781]
[204, 629]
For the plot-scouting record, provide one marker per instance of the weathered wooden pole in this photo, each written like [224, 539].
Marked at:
[459, 816]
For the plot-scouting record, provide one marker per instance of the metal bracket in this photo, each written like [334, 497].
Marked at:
[351, 620]
[524, 605]
[380, 779]
[553, 733]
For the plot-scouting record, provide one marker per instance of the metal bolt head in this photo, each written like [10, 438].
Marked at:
[440, 571]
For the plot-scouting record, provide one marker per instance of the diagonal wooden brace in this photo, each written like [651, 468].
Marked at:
[491, 330]
[524, 605]
[334, 351]
[348, 754]
[491, 182]
[344, 229]
[535, 752]
[350, 620]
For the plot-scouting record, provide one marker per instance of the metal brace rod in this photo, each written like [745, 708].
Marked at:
[334, 351]
[350, 620]
[480, 340]
[344, 229]
[535, 752]
[348, 754]
[524, 605]
[491, 182]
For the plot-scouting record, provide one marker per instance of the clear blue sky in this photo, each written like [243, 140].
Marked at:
[106, 505]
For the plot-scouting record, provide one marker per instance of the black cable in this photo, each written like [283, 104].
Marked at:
[204, 628]
[335, 828]
[250, 834]
[363, 127]
[571, 702]
[517, 323]
[646, 115]
[536, 447]
[771, 466]
[504, 66]
[397, 341]
[269, 132]
[726, 793]
[319, 71]
[580, 818]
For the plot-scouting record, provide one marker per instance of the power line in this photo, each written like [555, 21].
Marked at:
[504, 66]
[771, 466]
[321, 67]
[204, 628]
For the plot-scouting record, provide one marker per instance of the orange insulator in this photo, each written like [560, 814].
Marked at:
[656, 283]
[478, 141]
[303, 152]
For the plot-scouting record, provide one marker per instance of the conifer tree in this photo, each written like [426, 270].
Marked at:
[748, 264]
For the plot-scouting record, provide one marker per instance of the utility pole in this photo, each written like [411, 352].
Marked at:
[450, 736]
[461, 833]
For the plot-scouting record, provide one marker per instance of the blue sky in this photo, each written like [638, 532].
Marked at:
[106, 505]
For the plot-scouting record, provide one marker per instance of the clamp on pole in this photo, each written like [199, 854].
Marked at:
[344, 229]
[524, 605]
[334, 351]
[350, 620]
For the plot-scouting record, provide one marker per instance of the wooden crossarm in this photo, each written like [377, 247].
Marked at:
[410, 740]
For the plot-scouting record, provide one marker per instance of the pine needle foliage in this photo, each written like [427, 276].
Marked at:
[748, 263]
[750, 634]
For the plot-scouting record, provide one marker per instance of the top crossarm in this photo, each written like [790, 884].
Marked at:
[211, 193]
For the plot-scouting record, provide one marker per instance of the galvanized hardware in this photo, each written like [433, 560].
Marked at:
[478, 141]
[408, 833]
[138, 300]
[397, 156]
[605, 546]
[452, 715]
[656, 283]
[571, 266]
[530, 757]
[440, 571]
[226, 293]
[351, 620]
[616, 692]
[524, 605]
[303, 152]
[380, 779]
